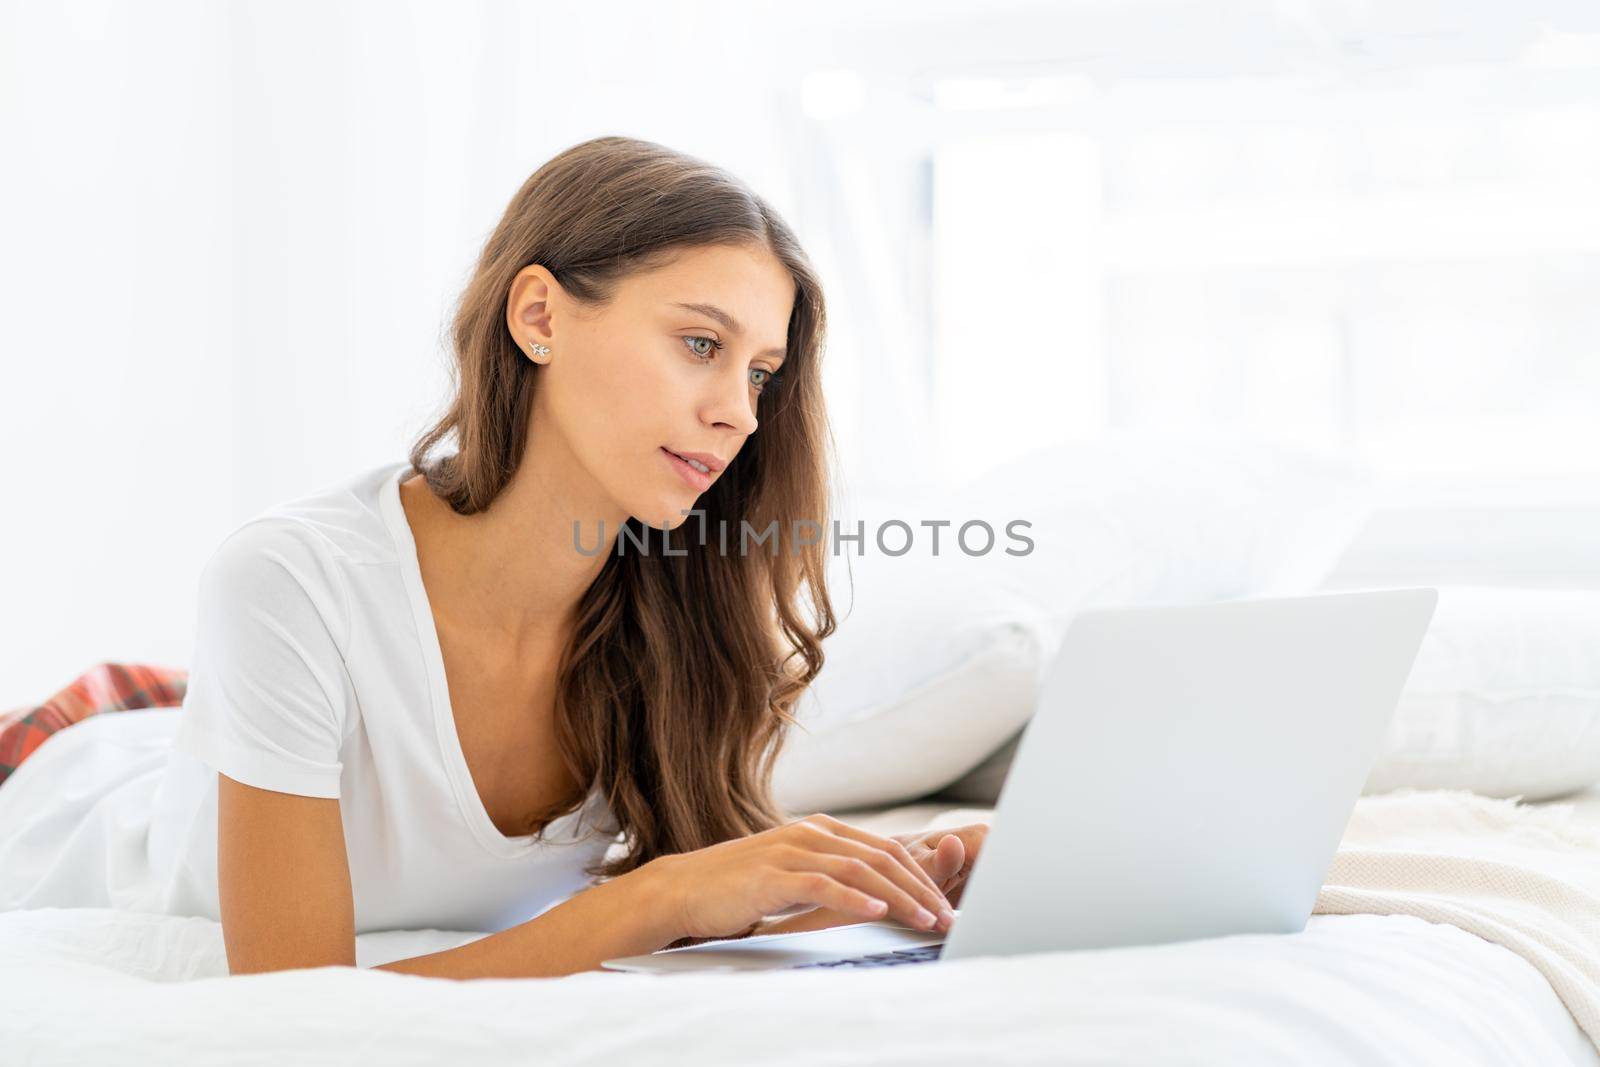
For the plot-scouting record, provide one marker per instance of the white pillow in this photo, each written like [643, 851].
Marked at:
[1504, 697]
[939, 655]
[1143, 518]
[927, 672]
[981, 785]
[1502, 700]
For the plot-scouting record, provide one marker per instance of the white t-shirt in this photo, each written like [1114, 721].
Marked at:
[317, 671]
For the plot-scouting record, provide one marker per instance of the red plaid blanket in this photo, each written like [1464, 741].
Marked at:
[103, 687]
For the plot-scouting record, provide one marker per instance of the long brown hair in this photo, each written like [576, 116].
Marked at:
[674, 692]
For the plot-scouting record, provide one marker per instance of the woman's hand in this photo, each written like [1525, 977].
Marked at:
[727, 889]
[946, 856]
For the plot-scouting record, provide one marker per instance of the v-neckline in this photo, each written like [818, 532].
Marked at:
[468, 799]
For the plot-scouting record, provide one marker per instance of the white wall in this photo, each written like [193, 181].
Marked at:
[233, 234]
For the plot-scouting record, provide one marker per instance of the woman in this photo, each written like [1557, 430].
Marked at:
[411, 691]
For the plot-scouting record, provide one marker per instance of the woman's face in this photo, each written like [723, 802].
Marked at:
[651, 374]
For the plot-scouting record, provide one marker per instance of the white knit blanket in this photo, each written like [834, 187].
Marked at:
[1526, 878]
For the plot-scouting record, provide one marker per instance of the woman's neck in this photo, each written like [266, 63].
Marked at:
[510, 573]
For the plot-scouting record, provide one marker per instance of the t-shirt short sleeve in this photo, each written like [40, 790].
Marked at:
[268, 687]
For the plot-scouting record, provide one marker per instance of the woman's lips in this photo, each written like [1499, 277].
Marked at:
[693, 478]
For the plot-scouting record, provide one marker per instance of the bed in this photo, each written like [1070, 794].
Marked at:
[95, 985]
[1453, 929]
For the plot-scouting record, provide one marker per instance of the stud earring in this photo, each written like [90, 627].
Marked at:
[541, 350]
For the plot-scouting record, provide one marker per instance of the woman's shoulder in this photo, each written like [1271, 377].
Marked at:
[349, 521]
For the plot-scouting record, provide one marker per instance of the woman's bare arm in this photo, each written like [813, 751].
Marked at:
[284, 885]
[621, 917]
[283, 881]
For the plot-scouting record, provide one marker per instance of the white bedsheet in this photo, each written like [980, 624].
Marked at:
[98, 986]
[92, 986]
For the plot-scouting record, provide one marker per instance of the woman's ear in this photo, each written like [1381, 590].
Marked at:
[529, 310]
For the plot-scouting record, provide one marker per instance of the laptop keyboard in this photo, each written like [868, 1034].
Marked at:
[920, 954]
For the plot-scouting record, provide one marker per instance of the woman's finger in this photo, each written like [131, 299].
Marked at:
[898, 851]
[972, 838]
[860, 874]
[890, 845]
[892, 859]
[817, 888]
[948, 861]
[939, 860]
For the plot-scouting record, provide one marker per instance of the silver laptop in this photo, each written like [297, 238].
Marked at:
[1188, 773]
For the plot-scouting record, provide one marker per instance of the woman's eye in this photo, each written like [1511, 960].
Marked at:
[703, 353]
[706, 348]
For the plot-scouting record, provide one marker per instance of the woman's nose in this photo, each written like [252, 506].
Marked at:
[733, 404]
